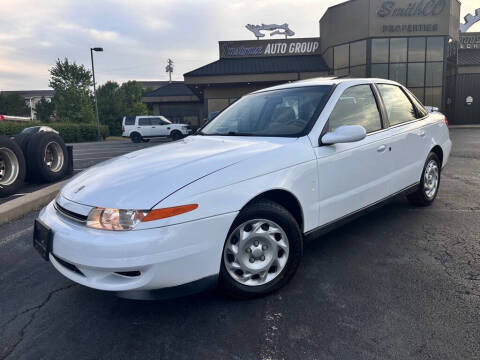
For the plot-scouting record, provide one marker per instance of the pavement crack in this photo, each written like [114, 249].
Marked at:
[34, 310]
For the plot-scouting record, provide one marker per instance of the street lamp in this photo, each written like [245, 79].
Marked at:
[95, 89]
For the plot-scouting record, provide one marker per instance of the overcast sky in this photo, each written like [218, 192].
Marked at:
[138, 36]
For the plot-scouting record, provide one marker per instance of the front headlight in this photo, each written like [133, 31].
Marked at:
[114, 219]
[118, 219]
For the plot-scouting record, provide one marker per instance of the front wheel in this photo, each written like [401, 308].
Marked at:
[429, 182]
[176, 135]
[262, 251]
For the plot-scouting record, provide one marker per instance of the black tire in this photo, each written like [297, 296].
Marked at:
[11, 153]
[22, 140]
[135, 137]
[420, 197]
[145, 140]
[41, 167]
[276, 213]
[176, 135]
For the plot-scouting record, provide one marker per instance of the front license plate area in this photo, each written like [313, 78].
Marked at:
[42, 238]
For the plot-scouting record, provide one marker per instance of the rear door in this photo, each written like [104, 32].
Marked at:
[353, 175]
[144, 126]
[407, 136]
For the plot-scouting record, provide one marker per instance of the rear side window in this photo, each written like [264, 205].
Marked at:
[356, 106]
[399, 108]
[421, 112]
[130, 120]
[144, 121]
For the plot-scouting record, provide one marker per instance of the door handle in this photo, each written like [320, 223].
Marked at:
[381, 148]
[153, 127]
[422, 133]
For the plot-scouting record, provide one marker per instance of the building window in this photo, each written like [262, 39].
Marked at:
[358, 71]
[380, 51]
[416, 75]
[380, 71]
[398, 73]
[358, 53]
[340, 56]
[416, 49]
[341, 72]
[398, 50]
[434, 74]
[435, 49]
[419, 93]
[433, 96]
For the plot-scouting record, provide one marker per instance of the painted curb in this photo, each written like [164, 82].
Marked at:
[17, 208]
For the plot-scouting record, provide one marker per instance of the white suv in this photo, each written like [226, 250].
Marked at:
[142, 128]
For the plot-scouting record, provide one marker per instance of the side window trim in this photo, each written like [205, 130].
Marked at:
[381, 106]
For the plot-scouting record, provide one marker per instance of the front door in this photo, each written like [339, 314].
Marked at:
[353, 175]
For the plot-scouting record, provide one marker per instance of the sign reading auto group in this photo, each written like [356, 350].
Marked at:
[265, 48]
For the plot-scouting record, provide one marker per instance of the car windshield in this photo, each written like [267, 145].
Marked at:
[283, 112]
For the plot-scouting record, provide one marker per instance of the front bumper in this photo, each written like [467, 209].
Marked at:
[148, 259]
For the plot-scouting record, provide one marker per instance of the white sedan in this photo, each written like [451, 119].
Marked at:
[232, 205]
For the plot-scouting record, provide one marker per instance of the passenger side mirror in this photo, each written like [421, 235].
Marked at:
[344, 134]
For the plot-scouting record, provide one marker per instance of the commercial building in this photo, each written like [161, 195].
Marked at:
[415, 42]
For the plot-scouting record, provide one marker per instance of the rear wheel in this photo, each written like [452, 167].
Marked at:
[429, 183]
[47, 157]
[12, 166]
[135, 137]
[262, 251]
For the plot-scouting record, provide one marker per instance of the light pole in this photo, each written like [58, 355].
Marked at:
[95, 90]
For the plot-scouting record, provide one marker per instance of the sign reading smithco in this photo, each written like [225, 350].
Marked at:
[410, 16]
[266, 48]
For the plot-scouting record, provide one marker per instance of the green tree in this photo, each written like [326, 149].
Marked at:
[44, 110]
[13, 104]
[110, 106]
[73, 98]
[130, 93]
[139, 108]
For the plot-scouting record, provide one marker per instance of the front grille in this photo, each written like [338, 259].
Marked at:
[70, 214]
[69, 266]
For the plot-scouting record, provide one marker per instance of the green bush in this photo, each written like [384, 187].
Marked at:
[68, 131]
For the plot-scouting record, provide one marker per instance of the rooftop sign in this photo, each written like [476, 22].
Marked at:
[266, 48]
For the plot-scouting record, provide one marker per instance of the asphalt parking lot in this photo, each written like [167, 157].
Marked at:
[88, 154]
[398, 283]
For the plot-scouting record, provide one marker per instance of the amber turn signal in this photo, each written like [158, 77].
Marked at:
[158, 214]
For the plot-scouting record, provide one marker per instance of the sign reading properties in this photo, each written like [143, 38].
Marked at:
[266, 48]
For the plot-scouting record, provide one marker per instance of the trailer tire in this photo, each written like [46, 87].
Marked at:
[47, 157]
[12, 166]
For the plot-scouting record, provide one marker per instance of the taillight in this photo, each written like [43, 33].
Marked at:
[123, 128]
[446, 121]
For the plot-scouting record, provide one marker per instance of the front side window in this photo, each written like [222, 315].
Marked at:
[398, 106]
[356, 106]
[156, 121]
[144, 121]
[283, 112]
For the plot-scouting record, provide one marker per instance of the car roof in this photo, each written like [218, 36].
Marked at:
[328, 81]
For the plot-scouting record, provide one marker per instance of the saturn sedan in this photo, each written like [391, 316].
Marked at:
[232, 205]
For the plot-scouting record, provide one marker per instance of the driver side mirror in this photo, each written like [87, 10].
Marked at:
[344, 134]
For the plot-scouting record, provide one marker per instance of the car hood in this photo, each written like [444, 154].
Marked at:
[141, 179]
